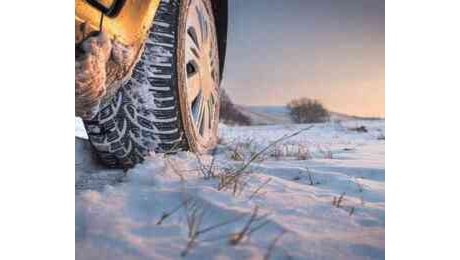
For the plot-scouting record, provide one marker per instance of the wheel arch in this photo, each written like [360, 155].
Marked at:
[220, 11]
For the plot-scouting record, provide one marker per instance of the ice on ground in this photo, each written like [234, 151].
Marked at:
[327, 205]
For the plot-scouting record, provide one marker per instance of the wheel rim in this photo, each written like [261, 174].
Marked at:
[201, 68]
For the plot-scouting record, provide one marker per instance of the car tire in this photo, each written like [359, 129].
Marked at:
[171, 101]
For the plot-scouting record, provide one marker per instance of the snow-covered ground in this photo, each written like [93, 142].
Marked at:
[317, 195]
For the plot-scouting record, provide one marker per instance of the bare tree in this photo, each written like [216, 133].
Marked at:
[305, 110]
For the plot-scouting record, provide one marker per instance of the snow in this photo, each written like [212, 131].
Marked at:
[290, 189]
[80, 129]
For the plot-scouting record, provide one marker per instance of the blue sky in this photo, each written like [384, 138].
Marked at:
[331, 50]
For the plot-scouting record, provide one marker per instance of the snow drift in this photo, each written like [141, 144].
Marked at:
[328, 204]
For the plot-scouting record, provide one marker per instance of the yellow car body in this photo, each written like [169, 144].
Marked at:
[128, 21]
[129, 26]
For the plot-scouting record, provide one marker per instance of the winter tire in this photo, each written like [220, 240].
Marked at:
[171, 101]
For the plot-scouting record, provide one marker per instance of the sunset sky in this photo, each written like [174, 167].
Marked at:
[331, 50]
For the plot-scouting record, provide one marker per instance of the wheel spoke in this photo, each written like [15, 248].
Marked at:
[196, 108]
[192, 37]
[193, 47]
[201, 22]
[194, 87]
[201, 116]
[204, 129]
[193, 55]
[193, 21]
[211, 108]
[214, 94]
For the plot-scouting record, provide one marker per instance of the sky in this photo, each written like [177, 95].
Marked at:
[330, 50]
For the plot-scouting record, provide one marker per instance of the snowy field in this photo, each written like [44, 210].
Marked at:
[317, 195]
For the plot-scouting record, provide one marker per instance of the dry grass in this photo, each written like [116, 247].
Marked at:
[259, 188]
[248, 151]
[273, 244]
[310, 178]
[168, 214]
[243, 151]
[195, 213]
[232, 178]
[248, 228]
[236, 182]
[304, 153]
[338, 201]
[297, 151]
[352, 210]
[207, 170]
[194, 219]
[236, 155]
[279, 140]
[359, 129]
[194, 216]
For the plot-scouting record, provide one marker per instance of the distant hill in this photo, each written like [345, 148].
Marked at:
[267, 115]
[344, 117]
[230, 113]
